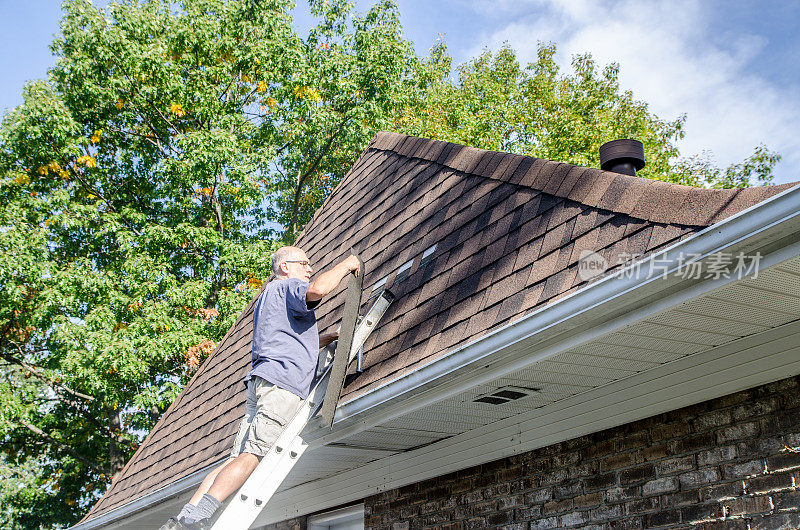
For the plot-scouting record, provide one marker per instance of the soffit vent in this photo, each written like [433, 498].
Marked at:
[505, 394]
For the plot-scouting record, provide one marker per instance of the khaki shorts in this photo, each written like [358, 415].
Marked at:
[269, 408]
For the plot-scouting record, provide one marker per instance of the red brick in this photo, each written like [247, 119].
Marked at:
[637, 474]
[660, 485]
[747, 506]
[675, 465]
[680, 498]
[588, 500]
[663, 518]
[719, 491]
[737, 432]
[554, 507]
[779, 521]
[743, 469]
[702, 512]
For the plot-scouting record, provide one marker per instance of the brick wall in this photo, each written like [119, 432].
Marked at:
[729, 463]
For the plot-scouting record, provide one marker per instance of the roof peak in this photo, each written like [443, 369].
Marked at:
[639, 197]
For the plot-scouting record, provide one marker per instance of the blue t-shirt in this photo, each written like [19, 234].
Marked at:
[285, 338]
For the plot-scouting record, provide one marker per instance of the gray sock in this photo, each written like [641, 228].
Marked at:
[187, 511]
[204, 509]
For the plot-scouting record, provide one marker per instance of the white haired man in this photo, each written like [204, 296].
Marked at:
[285, 354]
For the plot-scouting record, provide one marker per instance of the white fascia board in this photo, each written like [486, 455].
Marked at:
[771, 227]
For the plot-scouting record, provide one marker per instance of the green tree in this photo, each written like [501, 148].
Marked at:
[537, 110]
[139, 182]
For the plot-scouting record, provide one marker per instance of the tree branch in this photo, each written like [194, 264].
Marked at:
[59, 389]
[35, 372]
[174, 128]
[63, 446]
[311, 169]
[156, 143]
[90, 189]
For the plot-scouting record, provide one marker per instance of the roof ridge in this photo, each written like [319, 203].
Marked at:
[646, 199]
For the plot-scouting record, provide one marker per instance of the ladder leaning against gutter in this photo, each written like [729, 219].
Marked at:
[253, 496]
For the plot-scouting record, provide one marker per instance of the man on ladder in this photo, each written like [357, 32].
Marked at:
[285, 355]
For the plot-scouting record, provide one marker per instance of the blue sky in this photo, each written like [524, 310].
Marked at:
[732, 67]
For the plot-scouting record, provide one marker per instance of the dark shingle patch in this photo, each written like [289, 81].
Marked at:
[600, 186]
[658, 201]
[494, 163]
[507, 167]
[638, 242]
[573, 176]
[693, 203]
[546, 173]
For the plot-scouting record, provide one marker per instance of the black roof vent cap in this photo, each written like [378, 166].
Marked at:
[624, 156]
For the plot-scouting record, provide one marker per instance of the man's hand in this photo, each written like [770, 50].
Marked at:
[327, 338]
[328, 280]
[352, 264]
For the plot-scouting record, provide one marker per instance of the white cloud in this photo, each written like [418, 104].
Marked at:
[667, 59]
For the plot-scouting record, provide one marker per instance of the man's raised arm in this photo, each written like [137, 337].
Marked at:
[328, 280]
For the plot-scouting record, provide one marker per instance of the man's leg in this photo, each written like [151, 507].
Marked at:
[232, 476]
[257, 433]
[187, 512]
[207, 482]
[227, 480]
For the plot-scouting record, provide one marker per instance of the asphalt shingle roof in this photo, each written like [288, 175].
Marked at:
[508, 230]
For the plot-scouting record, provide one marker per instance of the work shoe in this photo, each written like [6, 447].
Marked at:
[173, 524]
[202, 524]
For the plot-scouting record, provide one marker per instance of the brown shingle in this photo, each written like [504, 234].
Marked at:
[523, 167]
[584, 185]
[507, 167]
[660, 201]
[693, 203]
[573, 176]
[557, 178]
[532, 173]
[600, 186]
[546, 173]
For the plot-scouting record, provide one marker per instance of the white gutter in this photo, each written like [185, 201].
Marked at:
[771, 227]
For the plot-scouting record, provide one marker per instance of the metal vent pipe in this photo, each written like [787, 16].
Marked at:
[624, 156]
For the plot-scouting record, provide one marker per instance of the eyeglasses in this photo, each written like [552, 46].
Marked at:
[304, 262]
